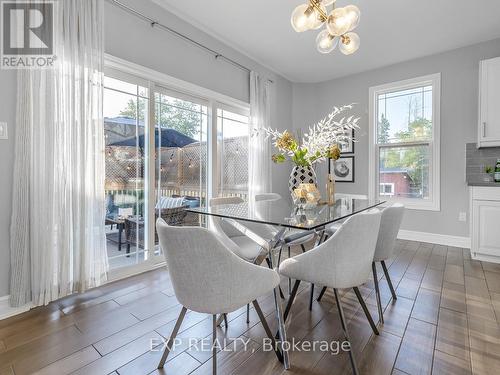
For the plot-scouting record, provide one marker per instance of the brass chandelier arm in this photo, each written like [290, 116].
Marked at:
[315, 4]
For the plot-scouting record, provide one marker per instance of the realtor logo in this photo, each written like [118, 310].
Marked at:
[27, 34]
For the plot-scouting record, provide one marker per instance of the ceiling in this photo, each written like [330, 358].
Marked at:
[391, 31]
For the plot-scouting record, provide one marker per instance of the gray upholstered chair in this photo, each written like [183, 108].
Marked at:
[329, 230]
[236, 241]
[343, 261]
[207, 277]
[389, 228]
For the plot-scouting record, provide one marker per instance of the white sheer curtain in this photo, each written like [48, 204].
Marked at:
[58, 243]
[259, 163]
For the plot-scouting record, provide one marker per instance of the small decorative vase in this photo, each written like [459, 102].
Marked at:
[330, 189]
[301, 175]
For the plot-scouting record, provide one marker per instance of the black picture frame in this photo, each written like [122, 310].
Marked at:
[350, 149]
[350, 177]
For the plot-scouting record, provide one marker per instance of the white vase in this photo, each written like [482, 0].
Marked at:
[301, 175]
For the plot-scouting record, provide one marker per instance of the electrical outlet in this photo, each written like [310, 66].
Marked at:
[462, 216]
[3, 130]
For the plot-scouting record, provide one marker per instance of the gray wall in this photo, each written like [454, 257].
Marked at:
[459, 97]
[134, 40]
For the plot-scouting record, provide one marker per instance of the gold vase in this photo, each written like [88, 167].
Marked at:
[330, 189]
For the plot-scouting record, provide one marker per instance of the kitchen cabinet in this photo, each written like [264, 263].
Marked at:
[485, 223]
[489, 103]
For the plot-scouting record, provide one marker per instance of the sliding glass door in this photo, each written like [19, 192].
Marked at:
[166, 150]
[232, 151]
[181, 157]
[126, 104]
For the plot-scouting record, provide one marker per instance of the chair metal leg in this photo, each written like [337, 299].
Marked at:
[267, 329]
[346, 333]
[282, 295]
[291, 299]
[321, 294]
[289, 280]
[311, 298]
[214, 347]
[248, 313]
[290, 302]
[377, 292]
[172, 338]
[386, 272]
[365, 309]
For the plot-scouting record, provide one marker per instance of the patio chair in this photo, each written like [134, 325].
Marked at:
[171, 210]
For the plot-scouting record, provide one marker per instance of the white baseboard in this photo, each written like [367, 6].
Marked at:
[438, 239]
[485, 257]
[6, 311]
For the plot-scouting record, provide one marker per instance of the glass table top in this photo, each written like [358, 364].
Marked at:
[284, 213]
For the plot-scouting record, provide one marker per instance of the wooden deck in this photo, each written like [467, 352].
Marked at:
[445, 321]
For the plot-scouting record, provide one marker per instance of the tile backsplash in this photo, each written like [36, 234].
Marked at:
[477, 160]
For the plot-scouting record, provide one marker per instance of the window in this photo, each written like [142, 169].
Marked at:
[386, 189]
[233, 132]
[404, 142]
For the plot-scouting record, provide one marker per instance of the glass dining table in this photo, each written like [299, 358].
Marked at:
[283, 216]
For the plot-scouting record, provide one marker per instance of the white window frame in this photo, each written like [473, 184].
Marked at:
[391, 184]
[434, 201]
[156, 81]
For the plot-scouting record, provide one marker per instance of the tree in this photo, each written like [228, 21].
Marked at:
[383, 130]
[185, 117]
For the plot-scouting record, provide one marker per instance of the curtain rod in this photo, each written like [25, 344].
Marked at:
[153, 23]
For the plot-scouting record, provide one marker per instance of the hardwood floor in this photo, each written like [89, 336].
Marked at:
[445, 321]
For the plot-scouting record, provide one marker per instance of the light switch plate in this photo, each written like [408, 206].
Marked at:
[3, 130]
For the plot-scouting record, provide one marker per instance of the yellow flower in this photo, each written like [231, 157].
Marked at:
[286, 142]
[334, 152]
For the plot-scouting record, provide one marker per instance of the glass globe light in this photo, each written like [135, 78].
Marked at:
[338, 22]
[349, 43]
[300, 17]
[314, 19]
[353, 13]
[326, 42]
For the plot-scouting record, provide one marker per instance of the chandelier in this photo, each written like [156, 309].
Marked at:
[339, 25]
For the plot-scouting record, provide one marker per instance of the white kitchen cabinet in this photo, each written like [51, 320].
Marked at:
[489, 103]
[485, 223]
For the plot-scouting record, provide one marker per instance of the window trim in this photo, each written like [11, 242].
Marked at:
[434, 203]
[391, 184]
